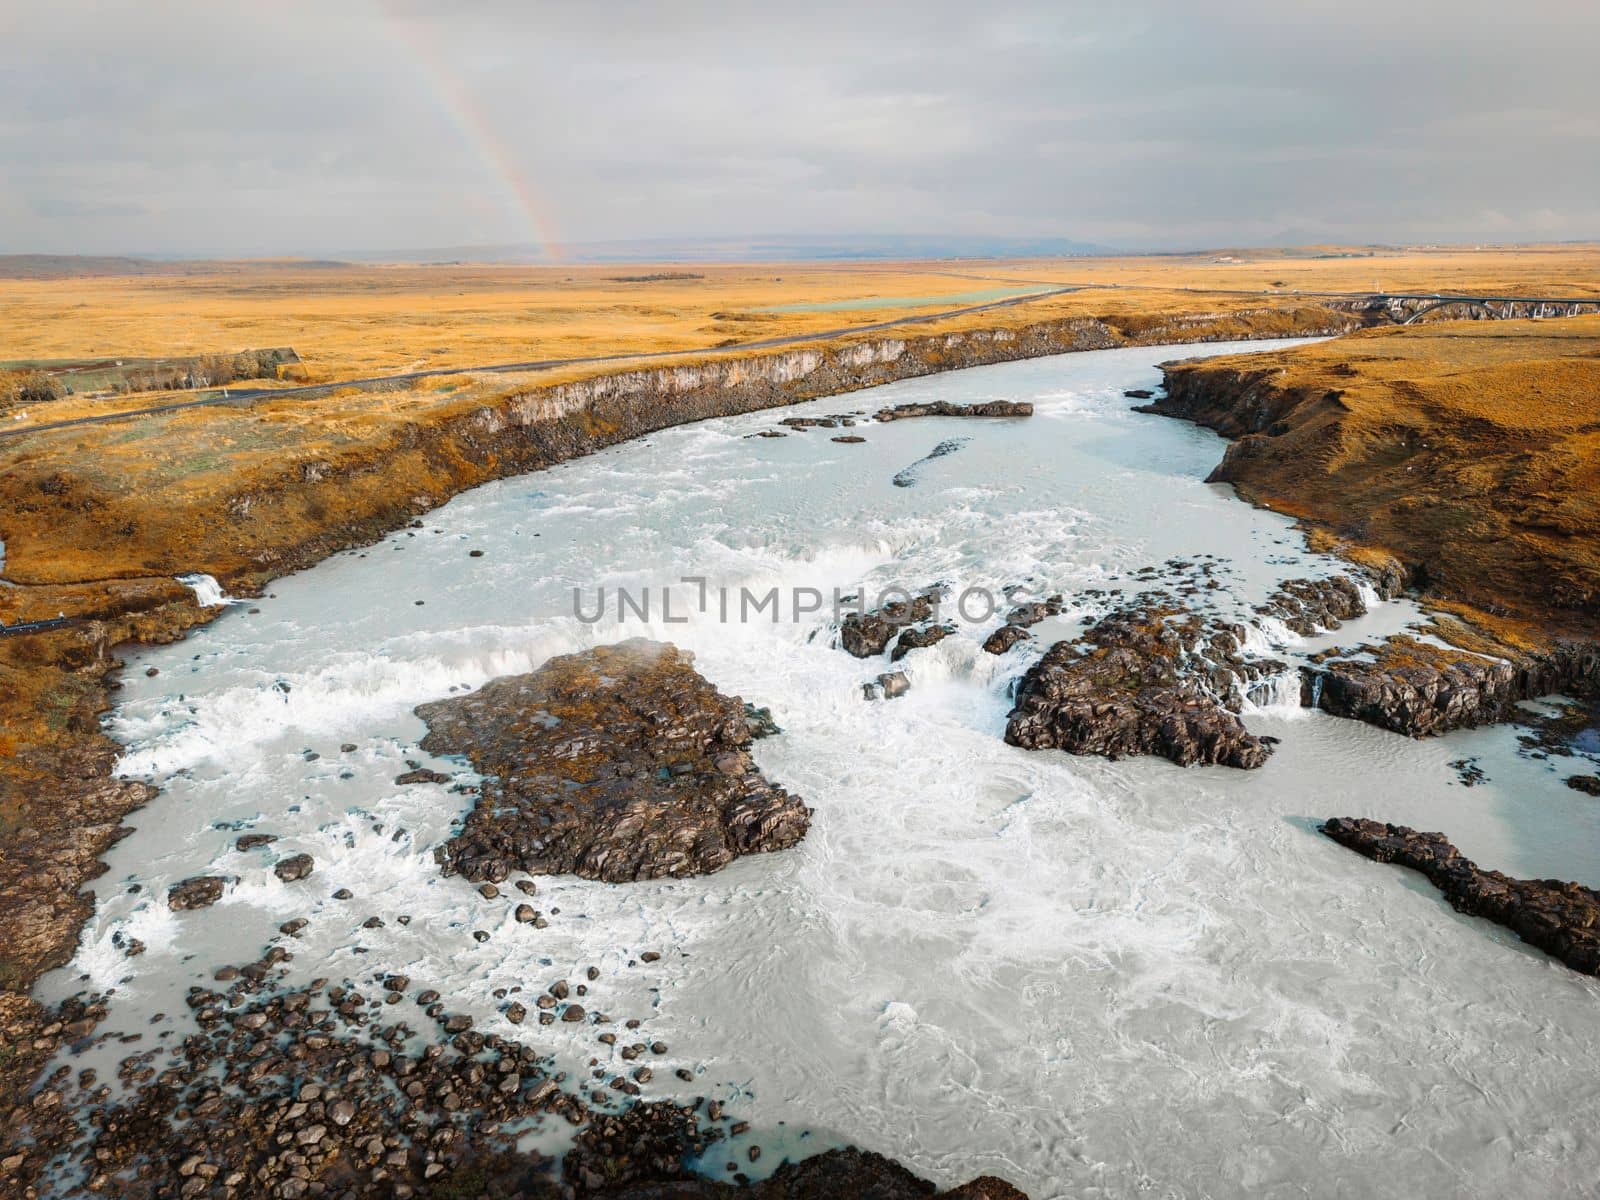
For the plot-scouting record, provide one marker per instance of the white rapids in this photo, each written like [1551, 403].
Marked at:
[1091, 978]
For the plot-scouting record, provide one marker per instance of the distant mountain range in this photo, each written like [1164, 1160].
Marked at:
[775, 248]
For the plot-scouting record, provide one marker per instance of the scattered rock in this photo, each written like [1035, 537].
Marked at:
[251, 840]
[849, 439]
[1589, 785]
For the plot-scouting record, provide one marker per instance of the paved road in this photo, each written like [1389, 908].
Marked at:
[245, 395]
[1054, 288]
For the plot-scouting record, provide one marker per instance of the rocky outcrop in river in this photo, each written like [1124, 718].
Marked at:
[1562, 919]
[619, 763]
[1420, 689]
[1147, 679]
[944, 408]
[866, 633]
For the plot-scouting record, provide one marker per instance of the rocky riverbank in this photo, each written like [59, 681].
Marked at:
[1562, 919]
[619, 763]
[1465, 467]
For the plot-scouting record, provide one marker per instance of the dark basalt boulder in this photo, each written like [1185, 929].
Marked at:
[1589, 785]
[619, 763]
[943, 408]
[295, 867]
[1415, 688]
[1030, 614]
[916, 639]
[1005, 637]
[199, 891]
[908, 477]
[864, 634]
[421, 775]
[888, 686]
[1145, 680]
[1562, 919]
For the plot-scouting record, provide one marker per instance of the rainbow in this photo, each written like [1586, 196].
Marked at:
[477, 131]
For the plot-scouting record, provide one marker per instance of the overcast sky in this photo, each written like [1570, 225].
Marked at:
[213, 126]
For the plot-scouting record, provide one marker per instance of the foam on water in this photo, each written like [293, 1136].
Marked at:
[1092, 978]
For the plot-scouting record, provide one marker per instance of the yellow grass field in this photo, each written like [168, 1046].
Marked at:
[360, 320]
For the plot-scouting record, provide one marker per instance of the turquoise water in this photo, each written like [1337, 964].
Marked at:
[978, 296]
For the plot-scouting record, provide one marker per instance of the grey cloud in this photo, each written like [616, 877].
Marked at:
[301, 127]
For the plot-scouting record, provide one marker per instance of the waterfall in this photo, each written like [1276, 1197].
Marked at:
[207, 591]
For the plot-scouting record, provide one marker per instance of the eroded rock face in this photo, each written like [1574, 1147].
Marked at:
[619, 763]
[1562, 919]
[1144, 680]
[1414, 688]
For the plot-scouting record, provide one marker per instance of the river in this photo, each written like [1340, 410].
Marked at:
[1090, 978]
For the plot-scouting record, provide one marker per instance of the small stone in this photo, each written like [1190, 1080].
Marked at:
[573, 1013]
[200, 891]
[295, 867]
